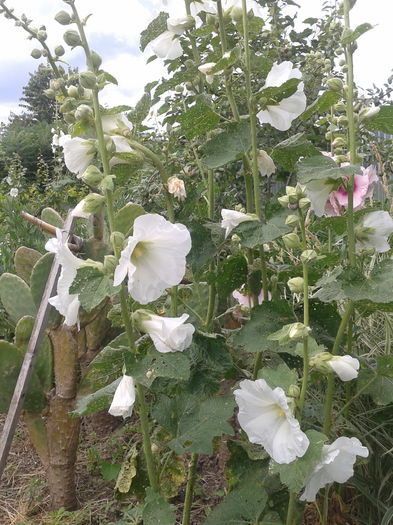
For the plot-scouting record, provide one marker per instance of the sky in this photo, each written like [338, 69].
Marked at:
[113, 31]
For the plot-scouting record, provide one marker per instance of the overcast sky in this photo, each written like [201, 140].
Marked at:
[114, 30]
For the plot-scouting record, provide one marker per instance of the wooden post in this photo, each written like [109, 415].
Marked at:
[28, 362]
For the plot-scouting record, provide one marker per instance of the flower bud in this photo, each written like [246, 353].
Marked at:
[36, 53]
[117, 240]
[72, 38]
[63, 18]
[49, 93]
[96, 60]
[304, 203]
[296, 284]
[292, 220]
[92, 176]
[335, 84]
[284, 201]
[42, 35]
[69, 118]
[83, 112]
[110, 263]
[298, 331]
[293, 391]
[339, 142]
[73, 92]
[88, 80]
[59, 51]
[291, 241]
[320, 362]
[107, 183]
[67, 106]
[308, 256]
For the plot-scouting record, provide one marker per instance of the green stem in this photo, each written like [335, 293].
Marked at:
[151, 469]
[291, 509]
[194, 49]
[191, 478]
[257, 365]
[355, 396]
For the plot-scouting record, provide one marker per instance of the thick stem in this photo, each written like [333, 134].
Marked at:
[191, 478]
[151, 469]
[291, 509]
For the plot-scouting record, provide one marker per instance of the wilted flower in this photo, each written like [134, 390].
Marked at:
[345, 366]
[124, 398]
[169, 334]
[281, 115]
[265, 417]
[176, 188]
[374, 231]
[232, 218]
[14, 192]
[265, 164]
[335, 465]
[65, 303]
[154, 258]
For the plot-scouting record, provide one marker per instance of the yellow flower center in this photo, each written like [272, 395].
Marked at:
[138, 252]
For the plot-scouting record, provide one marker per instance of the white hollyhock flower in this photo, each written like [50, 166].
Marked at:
[232, 218]
[65, 303]
[169, 334]
[167, 45]
[14, 192]
[176, 188]
[206, 70]
[115, 123]
[265, 164]
[78, 153]
[335, 465]
[154, 258]
[318, 192]
[180, 25]
[345, 366]
[124, 398]
[265, 416]
[281, 115]
[374, 232]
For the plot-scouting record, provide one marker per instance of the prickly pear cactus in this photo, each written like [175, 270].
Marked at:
[51, 216]
[16, 297]
[11, 358]
[24, 260]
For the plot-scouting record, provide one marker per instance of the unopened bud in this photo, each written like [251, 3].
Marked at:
[72, 38]
[69, 118]
[73, 92]
[42, 35]
[308, 256]
[96, 60]
[298, 331]
[107, 183]
[93, 202]
[292, 220]
[84, 112]
[335, 84]
[59, 51]
[63, 18]
[117, 240]
[296, 284]
[304, 203]
[284, 201]
[110, 263]
[369, 112]
[293, 391]
[291, 241]
[92, 176]
[36, 53]
[339, 142]
[88, 80]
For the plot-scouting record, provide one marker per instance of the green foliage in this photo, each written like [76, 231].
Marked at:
[288, 152]
[321, 167]
[52, 217]
[24, 260]
[92, 286]
[353, 35]
[254, 233]
[99, 400]
[226, 146]
[156, 510]
[125, 217]
[154, 29]
[231, 275]
[198, 119]
[281, 376]
[16, 297]
[382, 121]
[321, 104]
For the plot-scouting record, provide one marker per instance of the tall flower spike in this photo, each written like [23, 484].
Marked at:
[169, 334]
[65, 303]
[335, 465]
[154, 258]
[265, 416]
[281, 115]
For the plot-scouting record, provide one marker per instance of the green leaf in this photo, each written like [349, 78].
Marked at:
[255, 233]
[24, 260]
[266, 318]
[294, 474]
[321, 104]
[351, 36]
[80, 127]
[275, 94]
[322, 167]
[107, 365]
[281, 376]
[197, 120]
[154, 29]
[16, 297]
[92, 286]
[288, 152]
[109, 471]
[377, 287]
[97, 401]
[202, 247]
[226, 146]
[382, 121]
[125, 217]
[231, 275]
[141, 110]
[127, 470]
[210, 362]
[156, 510]
[243, 505]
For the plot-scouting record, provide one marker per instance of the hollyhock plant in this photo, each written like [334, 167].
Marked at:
[206, 70]
[154, 258]
[267, 420]
[335, 465]
[345, 366]
[124, 398]
[167, 44]
[78, 153]
[281, 115]
[65, 303]
[169, 334]
[374, 231]
[232, 218]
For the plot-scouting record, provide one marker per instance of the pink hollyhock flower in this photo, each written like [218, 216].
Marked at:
[246, 300]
